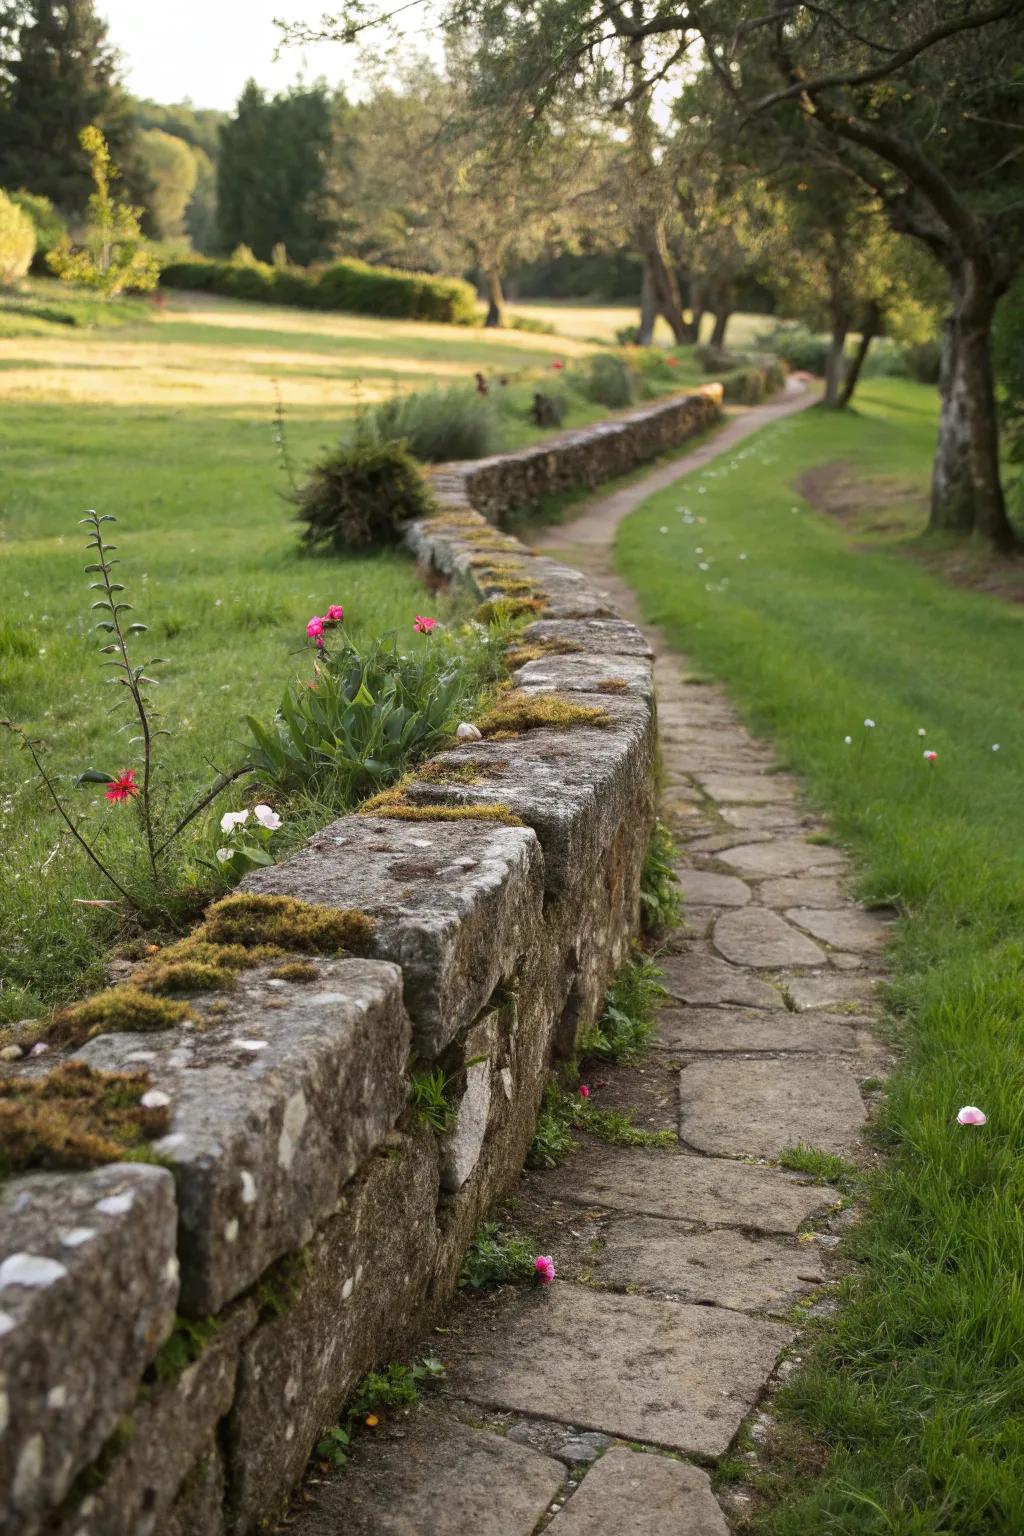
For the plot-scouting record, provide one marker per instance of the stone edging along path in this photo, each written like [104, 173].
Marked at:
[679, 1270]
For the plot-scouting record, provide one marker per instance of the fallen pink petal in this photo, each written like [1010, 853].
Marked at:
[544, 1265]
[971, 1115]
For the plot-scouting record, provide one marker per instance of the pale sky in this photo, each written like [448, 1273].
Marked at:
[207, 49]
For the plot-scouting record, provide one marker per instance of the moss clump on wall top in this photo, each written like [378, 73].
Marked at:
[287, 923]
[519, 711]
[497, 608]
[394, 806]
[536, 650]
[75, 1118]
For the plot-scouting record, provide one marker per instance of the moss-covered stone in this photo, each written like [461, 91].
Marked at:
[536, 650]
[75, 1118]
[296, 970]
[284, 922]
[520, 710]
[613, 685]
[393, 805]
[126, 1007]
[507, 608]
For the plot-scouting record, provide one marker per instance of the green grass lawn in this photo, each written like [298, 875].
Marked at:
[909, 1415]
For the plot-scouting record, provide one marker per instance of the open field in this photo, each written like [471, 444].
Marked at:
[599, 322]
[907, 1421]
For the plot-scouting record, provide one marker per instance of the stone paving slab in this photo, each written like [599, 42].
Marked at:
[722, 1268]
[856, 993]
[848, 928]
[629, 1493]
[758, 937]
[695, 976]
[663, 1372]
[754, 1029]
[435, 1477]
[708, 889]
[744, 1108]
[678, 1186]
[751, 789]
[764, 818]
[781, 856]
[802, 891]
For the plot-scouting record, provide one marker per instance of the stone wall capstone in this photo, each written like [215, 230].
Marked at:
[305, 1226]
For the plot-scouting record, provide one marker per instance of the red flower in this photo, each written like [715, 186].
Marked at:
[122, 788]
[423, 625]
[557, 363]
[671, 361]
[584, 1091]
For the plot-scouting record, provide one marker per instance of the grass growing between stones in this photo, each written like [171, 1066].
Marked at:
[498, 1255]
[628, 1017]
[908, 1416]
[563, 1114]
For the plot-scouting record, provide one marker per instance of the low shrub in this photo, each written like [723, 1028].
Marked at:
[362, 495]
[50, 228]
[549, 408]
[718, 360]
[352, 286]
[608, 381]
[798, 347]
[17, 241]
[529, 323]
[744, 386]
[628, 336]
[439, 426]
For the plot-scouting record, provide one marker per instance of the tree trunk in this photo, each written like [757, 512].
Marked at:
[666, 289]
[722, 318]
[648, 308]
[869, 331]
[834, 363]
[495, 299]
[967, 495]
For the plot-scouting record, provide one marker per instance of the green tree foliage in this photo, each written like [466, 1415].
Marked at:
[173, 170]
[113, 255]
[273, 174]
[17, 241]
[58, 74]
[49, 226]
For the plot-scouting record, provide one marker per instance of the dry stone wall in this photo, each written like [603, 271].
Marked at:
[302, 1225]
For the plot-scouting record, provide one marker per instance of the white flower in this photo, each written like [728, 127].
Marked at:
[232, 819]
[703, 566]
[921, 731]
[467, 732]
[743, 557]
[995, 746]
[266, 817]
[224, 854]
[848, 740]
[663, 529]
[155, 1099]
[870, 724]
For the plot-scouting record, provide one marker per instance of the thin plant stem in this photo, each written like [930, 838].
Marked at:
[222, 783]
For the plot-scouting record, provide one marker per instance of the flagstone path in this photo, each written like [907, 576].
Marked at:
[679, 1268]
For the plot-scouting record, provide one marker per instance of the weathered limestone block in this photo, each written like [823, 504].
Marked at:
[199, 1508]
[574, 787]
[276, 1101]
[463, 1142]
[172, 1444]
[456, 905]
[360, 1298]
[88, 1286]
[595, 637]
[589, 674]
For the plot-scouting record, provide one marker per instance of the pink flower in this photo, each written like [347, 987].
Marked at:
[544, 1265]
[557, 364]
[584, 1091]
[969, 1115]
[931, 757]
[423, 626]
[122, 788]
[315, 627]
[335, 614]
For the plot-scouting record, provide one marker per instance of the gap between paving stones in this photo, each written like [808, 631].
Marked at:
[679, 1269]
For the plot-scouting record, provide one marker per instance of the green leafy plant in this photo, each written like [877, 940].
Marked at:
[428, 1099]
[366, 714]
[627, 1019]
[396, 1386]
[133, 682]
[496, 1256]
[17, 241]
[113, 255]
[564, 1113]
[362, 494]
[659, 888]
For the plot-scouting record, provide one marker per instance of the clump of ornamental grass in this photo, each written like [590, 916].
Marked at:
[76, 1117]
[362, 495]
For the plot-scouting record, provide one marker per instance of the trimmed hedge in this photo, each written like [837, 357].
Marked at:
[352, 286]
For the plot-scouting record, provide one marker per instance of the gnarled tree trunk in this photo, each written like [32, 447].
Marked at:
[967, 493]
[722, 318]
[834, 363]
[869, 330]
[648, 308]
[495, 299]
[666, 289]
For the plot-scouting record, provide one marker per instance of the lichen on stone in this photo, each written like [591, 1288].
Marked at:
[76, 1117]
[507, 608]
[520, 710]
